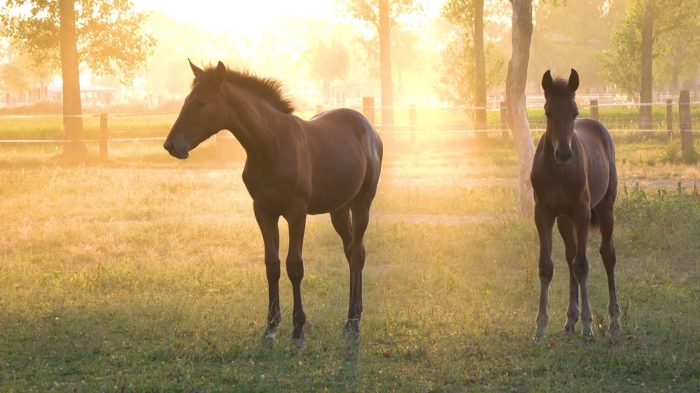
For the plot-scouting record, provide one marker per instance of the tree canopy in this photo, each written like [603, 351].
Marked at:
[675, 51]
[110, 36]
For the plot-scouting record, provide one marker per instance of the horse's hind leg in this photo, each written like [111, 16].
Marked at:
[566, 229]
[341, 222]
[270, 232]
[356, 259]
[607, 252]
[544, 221]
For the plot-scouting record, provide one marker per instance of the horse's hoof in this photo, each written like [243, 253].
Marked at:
[268, 339]
[588, 333]
[569, 329]
[298, 342]
[614, 329]
[352, 335]
[351, 331]
[539, 330]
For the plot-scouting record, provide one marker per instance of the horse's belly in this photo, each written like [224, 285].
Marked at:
[333, 194]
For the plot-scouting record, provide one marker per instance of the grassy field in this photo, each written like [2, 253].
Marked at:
[146, 274]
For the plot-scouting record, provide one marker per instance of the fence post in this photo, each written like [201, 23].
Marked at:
[412, 123]
[685, 124]
[594, 110]
[504, 120]
[669, 117]
[368, 108]
[104, 137]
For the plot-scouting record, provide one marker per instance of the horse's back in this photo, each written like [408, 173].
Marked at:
[597, 141]
[346, 152]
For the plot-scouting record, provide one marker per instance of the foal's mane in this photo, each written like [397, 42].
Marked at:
[560, 88]
[269, 89]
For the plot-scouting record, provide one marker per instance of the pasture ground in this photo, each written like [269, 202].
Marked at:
[146, 274]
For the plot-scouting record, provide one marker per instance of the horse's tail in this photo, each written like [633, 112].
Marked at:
[595, 223]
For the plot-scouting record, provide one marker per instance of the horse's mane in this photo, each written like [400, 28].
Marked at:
[269, 89]
[560, 87]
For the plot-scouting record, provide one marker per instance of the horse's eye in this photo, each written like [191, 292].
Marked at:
[546, 114]
[200, 104]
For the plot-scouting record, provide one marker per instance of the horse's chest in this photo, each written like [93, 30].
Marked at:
[274, 192]
[561, 196]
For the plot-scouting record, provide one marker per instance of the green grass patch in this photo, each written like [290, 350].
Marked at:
[150, 277]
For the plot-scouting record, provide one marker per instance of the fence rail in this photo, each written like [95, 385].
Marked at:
[413, 129]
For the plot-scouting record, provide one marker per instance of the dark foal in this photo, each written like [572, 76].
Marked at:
[575, 182]
[330, 164]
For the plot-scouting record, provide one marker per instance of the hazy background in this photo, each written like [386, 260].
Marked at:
[325, 56]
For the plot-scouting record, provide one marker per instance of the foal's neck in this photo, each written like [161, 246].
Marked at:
[253, 121]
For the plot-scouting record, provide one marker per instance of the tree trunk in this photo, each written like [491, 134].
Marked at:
[515, 99]
[480, 67]
[645, 94]
[385, 63]
[72, 109]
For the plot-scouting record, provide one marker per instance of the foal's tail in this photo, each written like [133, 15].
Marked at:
[595, 223]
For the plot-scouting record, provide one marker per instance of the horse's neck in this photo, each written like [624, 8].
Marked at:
[253, 122]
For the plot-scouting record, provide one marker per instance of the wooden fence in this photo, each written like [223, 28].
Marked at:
[368, 108]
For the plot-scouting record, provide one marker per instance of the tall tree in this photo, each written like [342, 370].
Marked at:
[72, 109]
[385, 63]
[328, 62]
[655, 36]
[466, 57]
[104, 34]
[645, 92]
[678, 44]
[383, 14]
[479, 64]
[572, 34]
[515, 99]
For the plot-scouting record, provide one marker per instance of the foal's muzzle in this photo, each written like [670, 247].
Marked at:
[563, 156]
[176, 150]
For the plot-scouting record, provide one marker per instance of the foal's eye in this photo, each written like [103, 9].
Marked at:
[546, 114]
[200, 104]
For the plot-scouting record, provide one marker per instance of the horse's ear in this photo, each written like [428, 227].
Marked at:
[573, 80]
[220, 72]
[195, 70]
[547, 81]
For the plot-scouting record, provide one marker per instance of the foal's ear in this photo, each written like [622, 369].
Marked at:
[220, 72]
[573, 80]
[195, 70]
[547, 81]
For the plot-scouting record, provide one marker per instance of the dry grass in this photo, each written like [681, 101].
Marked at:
[146, 273]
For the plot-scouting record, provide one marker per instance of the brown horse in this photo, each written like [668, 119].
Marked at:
[575, 182]
[330, 164]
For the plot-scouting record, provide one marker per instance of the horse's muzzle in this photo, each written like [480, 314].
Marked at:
[563, 156]
[181, 152]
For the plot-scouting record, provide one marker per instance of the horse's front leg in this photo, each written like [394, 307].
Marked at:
[270, 232]
[582, 221]
[296, 219]
[566, 229]
[544, 221]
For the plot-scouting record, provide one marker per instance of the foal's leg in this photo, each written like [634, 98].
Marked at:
[544, 221]
[582, 221]
[270, 232]
[295, 269]
[607, 252]
[341, 222]
[566, 229]
[360, 219]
